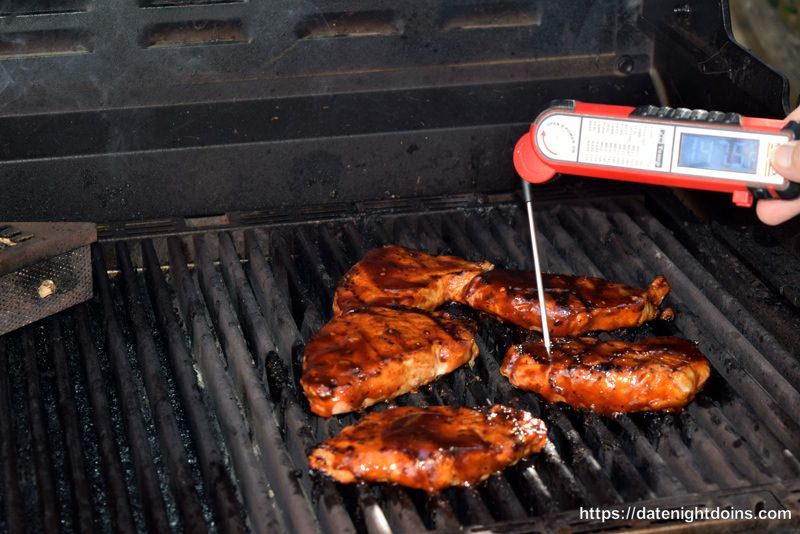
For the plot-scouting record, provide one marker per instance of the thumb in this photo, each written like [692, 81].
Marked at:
[786, 161]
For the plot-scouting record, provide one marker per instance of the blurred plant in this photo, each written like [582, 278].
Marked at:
[790, 13]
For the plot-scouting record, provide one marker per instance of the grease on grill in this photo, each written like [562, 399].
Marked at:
[500, 15]
[45, 43]
[349, 24]
[194, 33]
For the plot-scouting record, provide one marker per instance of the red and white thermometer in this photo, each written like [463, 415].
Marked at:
[678, 147]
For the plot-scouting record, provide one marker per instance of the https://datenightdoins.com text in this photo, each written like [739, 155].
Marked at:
[687, 514]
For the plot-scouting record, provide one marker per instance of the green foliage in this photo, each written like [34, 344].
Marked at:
[789, 11]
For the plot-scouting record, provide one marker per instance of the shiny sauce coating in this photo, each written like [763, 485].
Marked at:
[575, 304]
[430, 448]
[607, 377]
[398, 276]
[377, 353]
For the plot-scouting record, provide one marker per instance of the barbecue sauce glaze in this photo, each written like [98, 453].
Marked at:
[575, 305]
[608, 377]
[430, 448]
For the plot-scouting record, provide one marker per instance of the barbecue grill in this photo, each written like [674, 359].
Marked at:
[239, 157]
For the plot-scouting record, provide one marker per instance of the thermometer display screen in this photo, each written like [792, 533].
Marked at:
[718, 153]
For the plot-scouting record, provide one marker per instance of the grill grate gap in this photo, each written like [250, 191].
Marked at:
[166, 413]
[206, 435]
[12, 512]
[275, 309]
[294, 420]
[662, 434]
[54, 427]
[158, 506]
[115, 458]
[194, 33]
[76, 476]
[99, 502]
[43, 464]
[207, 353]
[21, 430]
[258, 407]
[261, 342]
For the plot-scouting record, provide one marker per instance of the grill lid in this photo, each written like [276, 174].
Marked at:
[235, 106]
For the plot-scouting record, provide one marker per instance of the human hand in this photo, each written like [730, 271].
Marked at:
[787, 162]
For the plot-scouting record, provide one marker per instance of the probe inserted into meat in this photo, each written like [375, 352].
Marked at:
[374, 354]
[575, 304]
[607, 377]
[398, 276]
[430, 448]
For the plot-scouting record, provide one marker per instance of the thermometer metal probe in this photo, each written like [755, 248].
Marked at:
[526, 190]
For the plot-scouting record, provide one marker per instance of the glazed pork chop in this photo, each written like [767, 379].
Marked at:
[575, 304]
[430, 448]
[607, 377]
[397, 276]
[374, 354]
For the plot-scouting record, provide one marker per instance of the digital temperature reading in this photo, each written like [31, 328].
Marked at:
[718, 153]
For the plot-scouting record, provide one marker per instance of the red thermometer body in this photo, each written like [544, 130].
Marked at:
[678, 147]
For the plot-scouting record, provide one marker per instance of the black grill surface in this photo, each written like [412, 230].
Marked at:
[171, 400]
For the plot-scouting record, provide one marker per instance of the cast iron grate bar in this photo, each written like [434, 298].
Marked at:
[186, 366]
[181, 477]
[215, 379]
[258, 407]
[110, 461]
[72, 440]
[212, 463]
[294, 420]
[153, 506]
[48, 504]
[13, 512]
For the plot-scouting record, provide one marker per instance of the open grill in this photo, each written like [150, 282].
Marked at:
[170, 401]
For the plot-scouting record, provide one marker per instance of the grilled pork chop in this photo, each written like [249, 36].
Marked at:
[575, 305]
[430, 448]
[397, 276]
[374, 354]
[607, 377]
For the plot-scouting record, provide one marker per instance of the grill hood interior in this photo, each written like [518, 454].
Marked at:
[113, 110]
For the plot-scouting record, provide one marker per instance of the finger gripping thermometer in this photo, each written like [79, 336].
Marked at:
[678, 147]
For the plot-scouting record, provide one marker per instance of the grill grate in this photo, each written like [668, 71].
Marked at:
[171, 401]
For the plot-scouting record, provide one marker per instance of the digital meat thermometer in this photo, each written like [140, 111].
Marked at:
[678, 147]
